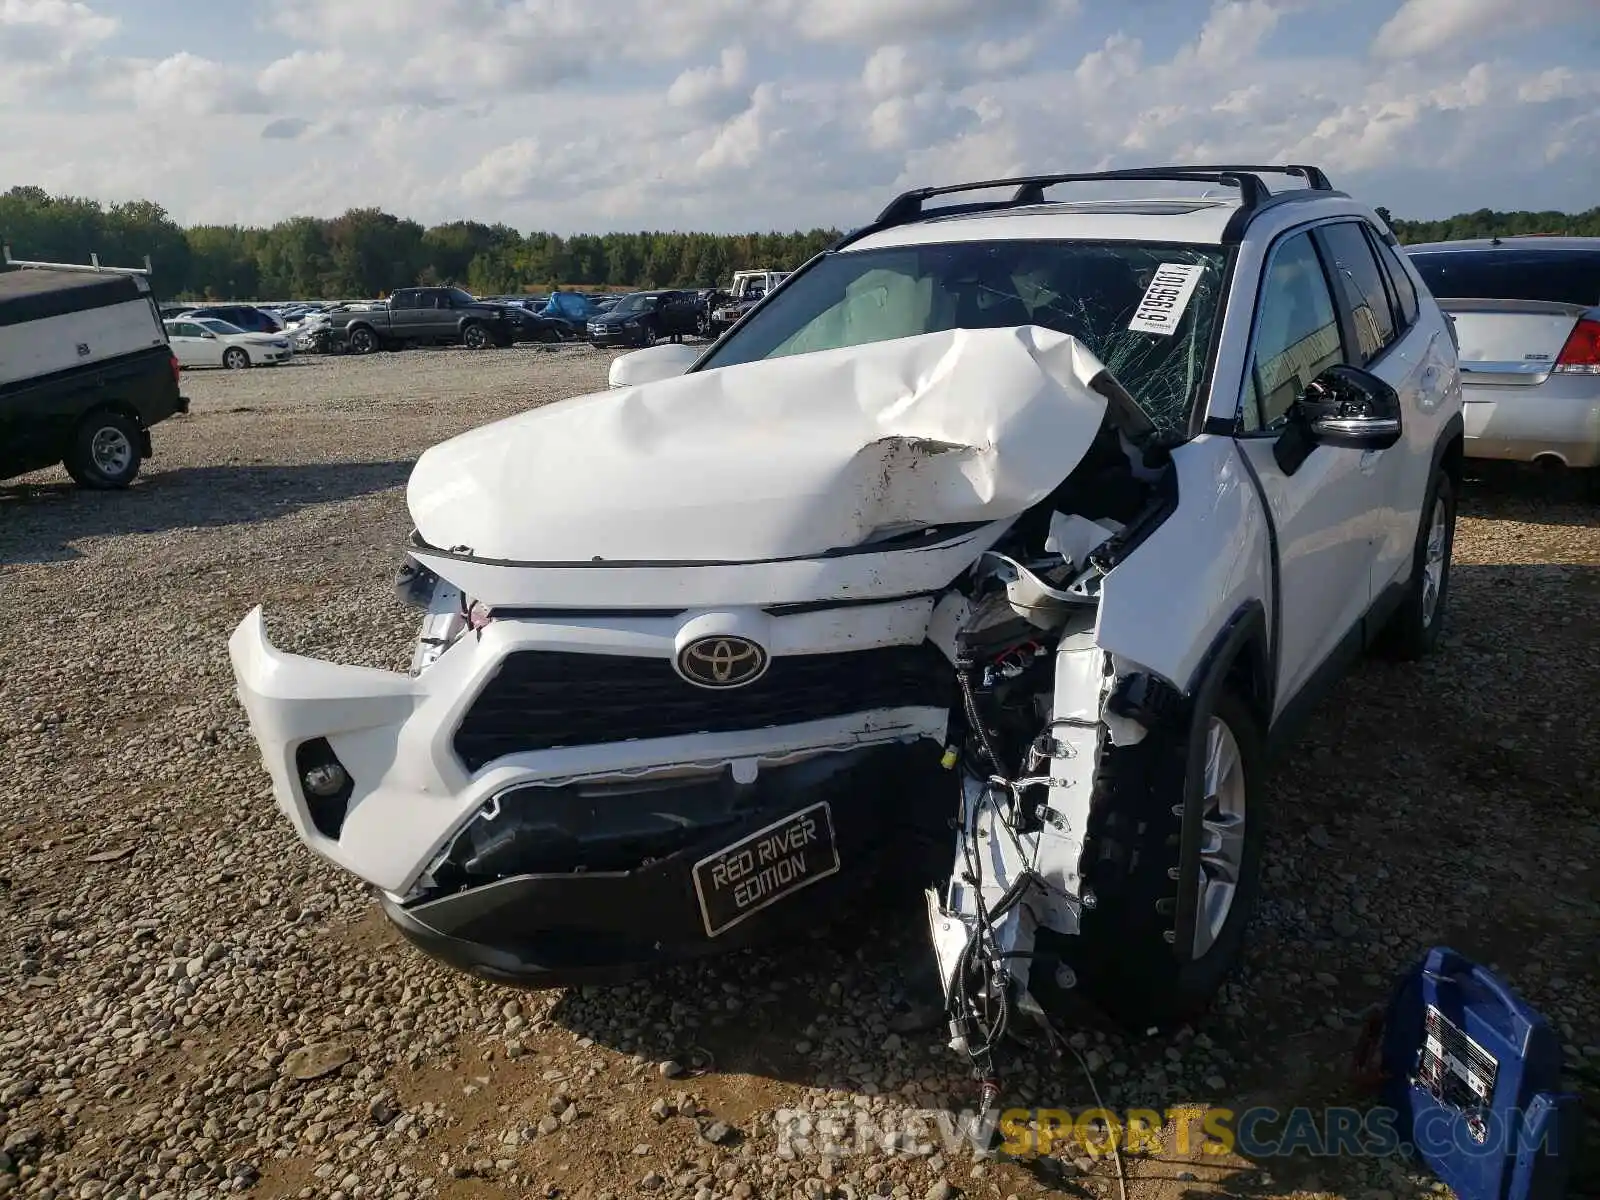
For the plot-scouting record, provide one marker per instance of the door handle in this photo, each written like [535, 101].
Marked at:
[1369, 461]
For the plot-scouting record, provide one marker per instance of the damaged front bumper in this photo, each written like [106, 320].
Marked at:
[502, 800]
[560, 927]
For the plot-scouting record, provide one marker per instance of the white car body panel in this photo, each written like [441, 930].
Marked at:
[849, 577]
[946, 428]
[653, 364]
[40, 347]
[1217, 539]
[1166, 220]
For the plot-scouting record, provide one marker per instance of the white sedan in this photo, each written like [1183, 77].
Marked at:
[209, 342]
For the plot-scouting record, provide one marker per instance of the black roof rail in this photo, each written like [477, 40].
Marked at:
[1029, 190]
[1316, 179]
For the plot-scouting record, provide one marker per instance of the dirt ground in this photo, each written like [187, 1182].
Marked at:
[194, 1004]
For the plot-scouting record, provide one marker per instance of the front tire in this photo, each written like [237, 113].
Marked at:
[235, 359]
[106, 452]
[1140, 957]
[362, 340]
[475, 337]
[1413, 631]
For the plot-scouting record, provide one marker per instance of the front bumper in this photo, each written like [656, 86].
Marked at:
[396, 733]
[568, 928]
[611, 335]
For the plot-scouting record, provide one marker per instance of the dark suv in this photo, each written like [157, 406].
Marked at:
[246, 316]
[644, 318]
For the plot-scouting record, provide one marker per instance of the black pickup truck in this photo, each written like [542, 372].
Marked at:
[431, 316]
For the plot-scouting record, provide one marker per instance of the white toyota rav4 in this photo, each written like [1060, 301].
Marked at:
[1019, 527]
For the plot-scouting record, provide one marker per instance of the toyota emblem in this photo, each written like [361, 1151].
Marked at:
[722, 661]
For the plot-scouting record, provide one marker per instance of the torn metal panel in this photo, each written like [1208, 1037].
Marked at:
[791, 458]
[1009, 834]
[1219, 550]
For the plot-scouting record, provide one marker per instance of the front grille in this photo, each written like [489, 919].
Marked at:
[544, 701]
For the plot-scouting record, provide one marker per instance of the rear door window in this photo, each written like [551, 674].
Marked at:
[1512, 273]
[1405, 292]
[1365, 295]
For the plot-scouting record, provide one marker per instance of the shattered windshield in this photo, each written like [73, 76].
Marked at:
[1145, 310]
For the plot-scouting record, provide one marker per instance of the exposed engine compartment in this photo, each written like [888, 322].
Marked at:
[1037, 696]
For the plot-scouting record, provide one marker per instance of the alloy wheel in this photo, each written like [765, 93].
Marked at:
[1221, 836]
[1433, 561]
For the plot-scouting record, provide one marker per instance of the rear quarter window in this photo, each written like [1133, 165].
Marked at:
[1571, 277]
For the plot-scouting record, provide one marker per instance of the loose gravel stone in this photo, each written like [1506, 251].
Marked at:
[308, 1062]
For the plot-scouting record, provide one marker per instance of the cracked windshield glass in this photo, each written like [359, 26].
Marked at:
[1145, 311]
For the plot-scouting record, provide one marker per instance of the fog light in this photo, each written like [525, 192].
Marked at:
[325, 780]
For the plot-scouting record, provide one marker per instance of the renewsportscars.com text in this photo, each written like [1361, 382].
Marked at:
[1261, 1132]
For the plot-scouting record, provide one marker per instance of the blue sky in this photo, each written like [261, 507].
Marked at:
[589, 115]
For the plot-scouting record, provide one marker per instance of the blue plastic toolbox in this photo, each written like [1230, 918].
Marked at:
[1474, 1075]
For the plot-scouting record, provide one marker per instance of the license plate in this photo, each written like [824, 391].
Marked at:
[742, 879]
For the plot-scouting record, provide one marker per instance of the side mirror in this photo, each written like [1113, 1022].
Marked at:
[1344, 407]
[656, 363]
[209, 336]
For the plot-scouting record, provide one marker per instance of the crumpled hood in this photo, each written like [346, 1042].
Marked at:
[787, 458]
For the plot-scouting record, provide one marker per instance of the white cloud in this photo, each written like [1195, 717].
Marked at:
[713, 91]
[194, 86]
[868, 21]
[1232, 32]
[738, 114]
[893, 70]
[31, 29]
[506, 172]
[1422, 27]
[46, 45]
[1559, 83]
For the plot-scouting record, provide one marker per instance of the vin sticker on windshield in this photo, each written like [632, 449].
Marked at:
[1166, 298]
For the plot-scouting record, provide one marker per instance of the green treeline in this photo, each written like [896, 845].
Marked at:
[368, 252]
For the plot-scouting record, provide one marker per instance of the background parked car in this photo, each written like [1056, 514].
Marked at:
[644, 318]
[244, 316]
[208, 342]
[570, 311]
[1526, 312]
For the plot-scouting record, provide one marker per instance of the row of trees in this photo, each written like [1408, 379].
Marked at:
[367, 252]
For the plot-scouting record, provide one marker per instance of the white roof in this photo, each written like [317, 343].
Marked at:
[1168, 219]
[1197, 220]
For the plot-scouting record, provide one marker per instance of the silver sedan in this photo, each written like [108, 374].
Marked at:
[1526, 312]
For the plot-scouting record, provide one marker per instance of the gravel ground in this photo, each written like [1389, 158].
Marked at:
[195, 1005]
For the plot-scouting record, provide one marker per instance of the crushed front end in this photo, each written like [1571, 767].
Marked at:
[546, 800]
[669, 699]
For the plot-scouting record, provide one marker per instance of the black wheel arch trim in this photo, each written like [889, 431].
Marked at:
[1453, 435]
[1244, 636]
